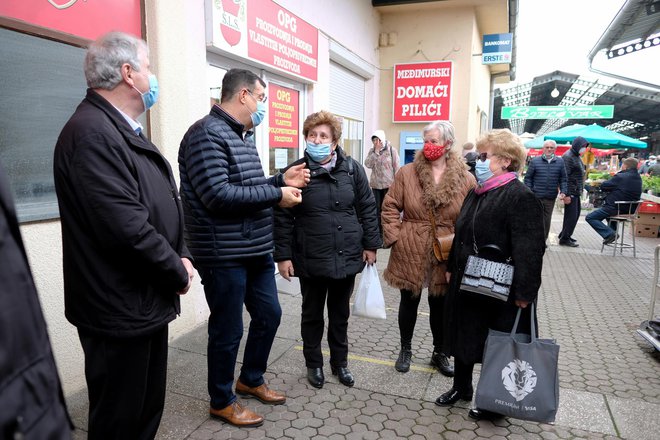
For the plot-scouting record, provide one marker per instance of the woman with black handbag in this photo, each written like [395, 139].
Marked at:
[501, 221]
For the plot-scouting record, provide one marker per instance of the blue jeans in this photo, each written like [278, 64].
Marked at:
[595, 219]
[249, 281]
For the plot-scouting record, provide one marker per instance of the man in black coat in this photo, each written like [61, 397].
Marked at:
[229, 229]
[31, 402]
[125, 261]
[625, 186]
[575, 185]
[545, 176]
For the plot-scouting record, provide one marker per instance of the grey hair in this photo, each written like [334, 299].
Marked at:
[445, 128]
[551, 142]
[106, 55]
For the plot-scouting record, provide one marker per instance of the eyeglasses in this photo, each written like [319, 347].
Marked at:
[483, 156]
[261, 98]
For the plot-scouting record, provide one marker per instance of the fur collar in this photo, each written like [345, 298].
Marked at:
[451, 184]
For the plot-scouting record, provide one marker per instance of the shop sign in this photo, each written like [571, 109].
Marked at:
[559, 112]
[422, 91]
[283, 117]
[84, 18]
[497, 49]
[263, 31]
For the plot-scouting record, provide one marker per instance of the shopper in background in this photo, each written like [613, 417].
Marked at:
[470, 156]
[325, 241]
[503, 212]
[429, 190]
[383, 160]
[575, 185]
[125, 262]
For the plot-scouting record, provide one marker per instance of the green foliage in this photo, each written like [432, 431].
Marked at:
[604, 175]
[651, 183]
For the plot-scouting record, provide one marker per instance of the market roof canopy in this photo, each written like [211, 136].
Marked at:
[636, 109]
[598, 137]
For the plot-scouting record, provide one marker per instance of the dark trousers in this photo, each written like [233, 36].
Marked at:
[249, 281]
[126, 380]
[379, 195]
[548, 207]
[463, 376]
[338, 294]
[571, 216]
[408, 317]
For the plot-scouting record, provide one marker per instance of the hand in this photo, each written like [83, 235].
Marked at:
[297, 176]
[191, 274]
[290, 197]
[562, 196]
[369, 256]
[567, 200]
[522, 304]
[448, 277]
[285, 268]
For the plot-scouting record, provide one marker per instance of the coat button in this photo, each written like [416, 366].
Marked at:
[341, 252]
[339, 228]
[337, 203]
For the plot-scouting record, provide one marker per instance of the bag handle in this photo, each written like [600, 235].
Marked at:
[532, 325]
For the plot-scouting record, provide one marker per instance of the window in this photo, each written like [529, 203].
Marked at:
[42, 84]
[352, 134]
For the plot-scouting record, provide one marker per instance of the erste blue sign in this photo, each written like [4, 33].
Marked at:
[497, 49]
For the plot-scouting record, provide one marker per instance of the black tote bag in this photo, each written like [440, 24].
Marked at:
[519, 376]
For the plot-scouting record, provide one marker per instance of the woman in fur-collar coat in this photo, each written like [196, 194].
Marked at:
[434, 184]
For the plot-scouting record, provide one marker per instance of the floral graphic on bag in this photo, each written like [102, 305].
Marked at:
[519, 379]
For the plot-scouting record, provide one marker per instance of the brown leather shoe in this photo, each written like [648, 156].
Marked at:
[262, 392]
[237, 415]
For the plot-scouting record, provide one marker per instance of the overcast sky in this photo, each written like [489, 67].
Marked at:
[558, 35]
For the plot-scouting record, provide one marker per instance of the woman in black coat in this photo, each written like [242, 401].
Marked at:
[501, 211]
[325, 241]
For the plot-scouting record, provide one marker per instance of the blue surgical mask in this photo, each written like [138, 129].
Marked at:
[258, 116]
[482, 171]
[318, 152]
[151, 97]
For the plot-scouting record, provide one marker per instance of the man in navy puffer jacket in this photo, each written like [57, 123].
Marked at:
[228, 216]
[545, 176]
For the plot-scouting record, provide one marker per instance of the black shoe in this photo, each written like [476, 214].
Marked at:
[452, 396]
[441, 362]
[568, 243]
[402, 364]
[482, 414]
[611, 239]
[315, 377]
[344, 375]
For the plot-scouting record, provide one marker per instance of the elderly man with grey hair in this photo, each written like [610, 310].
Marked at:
[125, 261]
[546, 176]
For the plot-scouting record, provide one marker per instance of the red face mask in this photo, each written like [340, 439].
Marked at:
[433, 151]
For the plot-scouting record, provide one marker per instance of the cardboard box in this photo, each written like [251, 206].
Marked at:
[648, 219]
[642, 230]
[648, 207]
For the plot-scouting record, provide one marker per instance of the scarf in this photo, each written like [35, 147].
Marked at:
[496, 182]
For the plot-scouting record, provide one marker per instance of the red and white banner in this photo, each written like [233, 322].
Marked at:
[283, 117]
[83, 18]
[263, 31]
[422, 91]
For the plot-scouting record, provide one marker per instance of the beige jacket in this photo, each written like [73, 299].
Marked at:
[407, 225]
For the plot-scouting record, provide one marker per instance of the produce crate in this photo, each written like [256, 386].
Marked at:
[648, 219]
[649, 208]
[642, 230]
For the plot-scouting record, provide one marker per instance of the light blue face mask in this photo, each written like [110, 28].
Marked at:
[258, 116]
[482, 171]
[318, 152]
[150, 97]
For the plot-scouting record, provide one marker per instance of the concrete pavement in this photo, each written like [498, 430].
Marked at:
[590, 302]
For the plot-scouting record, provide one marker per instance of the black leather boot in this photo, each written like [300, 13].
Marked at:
[402, 364]
[315, 377]
[344, 375]
[441, 362]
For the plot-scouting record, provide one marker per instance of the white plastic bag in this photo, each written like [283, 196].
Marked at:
[369, 301]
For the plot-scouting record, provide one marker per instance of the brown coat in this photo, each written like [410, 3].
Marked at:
[412, 265]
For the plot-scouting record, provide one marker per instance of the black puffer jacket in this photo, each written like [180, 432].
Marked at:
[122, 225]
[227, 199]
[544, 177]
[575, 167]
[325, 235]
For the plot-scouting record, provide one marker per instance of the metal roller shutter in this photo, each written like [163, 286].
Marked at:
[346, 93]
